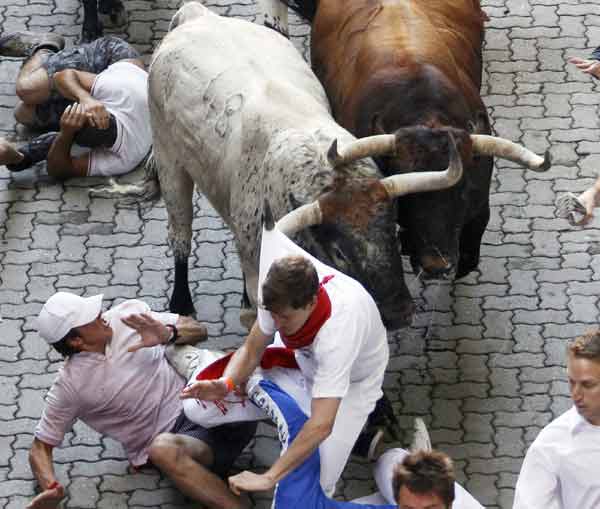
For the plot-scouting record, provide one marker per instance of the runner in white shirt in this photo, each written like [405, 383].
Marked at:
[110, 116]
[341, 347]
[561, 468]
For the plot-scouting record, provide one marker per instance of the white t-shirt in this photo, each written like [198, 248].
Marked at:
[131, 397]
[351, 346]
[561, 469]
[123, 89]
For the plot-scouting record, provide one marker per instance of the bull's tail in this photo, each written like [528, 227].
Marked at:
[148, 190]
[306, 9]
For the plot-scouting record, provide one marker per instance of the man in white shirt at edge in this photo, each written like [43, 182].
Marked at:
[340, 344]
[561, 468]
[116, 378]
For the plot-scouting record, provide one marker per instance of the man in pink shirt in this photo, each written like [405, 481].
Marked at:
[130, 393]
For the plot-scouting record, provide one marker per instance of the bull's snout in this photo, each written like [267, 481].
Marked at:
[436, 266]
[397, 313]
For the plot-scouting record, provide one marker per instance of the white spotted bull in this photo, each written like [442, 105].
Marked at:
[238, 112]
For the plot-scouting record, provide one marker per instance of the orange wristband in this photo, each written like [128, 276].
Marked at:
[229, 383]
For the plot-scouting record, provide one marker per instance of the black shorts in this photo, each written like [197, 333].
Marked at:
[227, 441]
[93, 57]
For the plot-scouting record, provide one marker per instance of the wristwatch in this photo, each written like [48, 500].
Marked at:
[174, 334]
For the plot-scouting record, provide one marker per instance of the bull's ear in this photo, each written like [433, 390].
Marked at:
[296, 203]
[267, 217]
[333, 156]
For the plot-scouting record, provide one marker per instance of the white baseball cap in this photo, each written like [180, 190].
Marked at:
[65, 310]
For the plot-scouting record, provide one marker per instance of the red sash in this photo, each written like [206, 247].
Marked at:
[272, 357]
[306, 334]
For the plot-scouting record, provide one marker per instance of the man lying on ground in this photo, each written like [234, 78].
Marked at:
[131, 394]
[93, 95]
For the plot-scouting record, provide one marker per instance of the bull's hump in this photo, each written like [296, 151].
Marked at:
[217, 58]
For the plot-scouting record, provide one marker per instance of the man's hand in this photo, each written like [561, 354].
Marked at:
[207, 390]
[48, 499]
[249, 481]
[587, 66]
[95, 112]
[72, 119]
[152, 331]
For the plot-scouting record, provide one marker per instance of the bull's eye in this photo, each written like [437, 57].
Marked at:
[338, 257]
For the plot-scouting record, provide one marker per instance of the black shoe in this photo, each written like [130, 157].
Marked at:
[367, 442]
[383, 416]
[25, 44]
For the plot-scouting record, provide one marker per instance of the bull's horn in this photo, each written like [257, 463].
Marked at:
[372, 146]
[420, 182]
[506, 149]
[268, 220]
[300, 218]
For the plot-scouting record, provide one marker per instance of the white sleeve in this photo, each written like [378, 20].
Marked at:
[538, 483]
[336, 349]
[104, 163]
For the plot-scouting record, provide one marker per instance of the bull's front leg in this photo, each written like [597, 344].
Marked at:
[92, 28]
[470, 242]
[177, 188]
[274, 14]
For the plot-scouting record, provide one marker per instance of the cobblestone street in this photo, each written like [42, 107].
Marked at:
[483, 363]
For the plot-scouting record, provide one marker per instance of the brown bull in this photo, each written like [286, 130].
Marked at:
[413, 68]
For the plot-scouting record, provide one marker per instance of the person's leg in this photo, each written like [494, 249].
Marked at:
[185, 460]
[33, 83]
[349, 421]
[33, 151]
[301, 488]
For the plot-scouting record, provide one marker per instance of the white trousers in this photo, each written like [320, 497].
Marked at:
[352, 414]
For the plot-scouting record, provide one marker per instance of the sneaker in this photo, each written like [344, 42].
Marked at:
[421, 440]
[25, 44]
[367, 442]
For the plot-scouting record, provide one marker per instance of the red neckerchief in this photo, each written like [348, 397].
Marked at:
[306, 334]
[276, 356]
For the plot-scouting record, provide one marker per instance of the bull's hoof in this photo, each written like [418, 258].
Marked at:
[91, 34]
[184, 307]
[247, 317]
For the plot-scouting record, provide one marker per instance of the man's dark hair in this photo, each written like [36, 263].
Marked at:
[291, 282]
[63, 347]
[94, 137]
[426, 472]
[586, 346]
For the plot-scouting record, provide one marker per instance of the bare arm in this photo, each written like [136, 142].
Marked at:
[153, 332]
[60, 163]
[40, 459]
[312, 434]
[77, 86]
[189, 331]
[240, 367]
[74, 85]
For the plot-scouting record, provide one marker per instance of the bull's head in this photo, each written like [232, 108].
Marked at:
[355, 222]
[442, 231]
